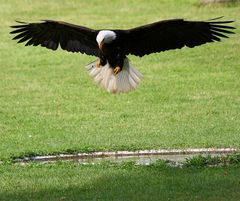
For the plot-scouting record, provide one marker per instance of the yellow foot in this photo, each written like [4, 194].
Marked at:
[98, 65]
[116, 70]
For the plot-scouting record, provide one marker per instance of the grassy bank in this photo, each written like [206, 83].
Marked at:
[49, 104]
[188, 98]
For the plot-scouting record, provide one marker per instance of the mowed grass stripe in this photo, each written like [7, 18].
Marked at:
[71, 181]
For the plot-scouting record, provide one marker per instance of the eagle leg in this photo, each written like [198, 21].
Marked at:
[101, 62]
[116, 70]
[98, 64]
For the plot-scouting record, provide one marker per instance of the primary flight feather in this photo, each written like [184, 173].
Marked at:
[113, 70]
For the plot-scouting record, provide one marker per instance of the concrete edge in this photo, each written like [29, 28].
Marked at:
[121, 154]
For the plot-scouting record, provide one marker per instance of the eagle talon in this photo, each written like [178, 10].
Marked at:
[116, 70]
[98, 65]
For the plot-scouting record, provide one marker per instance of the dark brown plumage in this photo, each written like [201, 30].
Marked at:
[51, 34]
[139, 41]
[173, 34]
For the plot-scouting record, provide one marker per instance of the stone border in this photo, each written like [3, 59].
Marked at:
[205, 2]
[122, 154]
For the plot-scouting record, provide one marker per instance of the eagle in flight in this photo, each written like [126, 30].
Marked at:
[113, 70]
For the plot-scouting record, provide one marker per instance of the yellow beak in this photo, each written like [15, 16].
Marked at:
[100, 45]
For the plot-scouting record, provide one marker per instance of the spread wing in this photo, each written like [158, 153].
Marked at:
[51, 34]
[171, 34]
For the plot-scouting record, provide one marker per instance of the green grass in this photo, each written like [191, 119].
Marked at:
[212, 161]
[188, 98]
[49, 104]
[72, 182]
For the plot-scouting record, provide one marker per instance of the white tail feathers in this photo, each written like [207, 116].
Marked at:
[126, 80]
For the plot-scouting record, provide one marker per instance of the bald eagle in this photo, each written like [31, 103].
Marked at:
[112, 69]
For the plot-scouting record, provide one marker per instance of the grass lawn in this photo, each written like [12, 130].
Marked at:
[188, 98]
[49, 104]
[72, 182]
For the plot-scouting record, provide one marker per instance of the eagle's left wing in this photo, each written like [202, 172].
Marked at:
[171, 34]
[51, 34]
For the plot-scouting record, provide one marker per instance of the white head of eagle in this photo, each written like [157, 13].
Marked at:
[113, 70]
[105, 36]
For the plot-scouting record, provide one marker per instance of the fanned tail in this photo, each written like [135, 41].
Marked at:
[125, 81]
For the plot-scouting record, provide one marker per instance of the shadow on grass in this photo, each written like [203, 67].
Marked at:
[142, 183]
